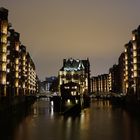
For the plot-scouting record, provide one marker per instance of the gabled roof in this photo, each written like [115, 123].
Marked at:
[72, 65]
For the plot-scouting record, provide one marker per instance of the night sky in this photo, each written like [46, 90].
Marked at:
[56, 29]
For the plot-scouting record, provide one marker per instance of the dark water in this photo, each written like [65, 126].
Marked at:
[100, 121]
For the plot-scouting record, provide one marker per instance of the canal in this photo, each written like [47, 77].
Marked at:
[100, 121]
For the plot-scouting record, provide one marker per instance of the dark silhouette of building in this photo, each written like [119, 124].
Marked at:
[70, 90]
[50, 84]
[23, 70]
[121, 64]
[114, 79]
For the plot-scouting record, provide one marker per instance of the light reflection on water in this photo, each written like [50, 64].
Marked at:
[100, 121]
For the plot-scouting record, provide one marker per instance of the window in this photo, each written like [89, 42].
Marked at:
[4, 79]
[4, 39]
[3, 67]
[134, 53]
[16, 74]
[4, 27]
[4, 57]
[126, 57]
[16, 83]
[8, 70]
[135, 60]
[135, 73]
[4, 48]
[17, 61]
[17, 68]
[135, 67]
[133, 37]
[126, 62]
[134, 47]
[17, 46]
[24, 57]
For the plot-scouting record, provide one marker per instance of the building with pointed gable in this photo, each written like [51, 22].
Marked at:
[75, 71]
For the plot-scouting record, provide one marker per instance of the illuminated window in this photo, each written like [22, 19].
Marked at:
[135, 67]
[29, 86]
[3, 67]
[126, 72]
[8, 70]
[16, 61]
[133, 37]
[126, 62]
[17, 46]
[126, 78]
[16, 74]
[134, 53]
[8, 52]
[4, 39]
[73, 93]
[134, 47]
[4, 79]
[68, 101]
[126, 57]
[4, 48]
[24, 63]
[75, 87]
[24, 69]
[4, 57]
[126, 85]
[125, 50]
[135, 73]
[4, 27]
[16, 83]
[24, 57]
[17, 68]
[8, 61]
[23, 85]
[4, 30]
[67, 87]
[64, 73]
[135, 60]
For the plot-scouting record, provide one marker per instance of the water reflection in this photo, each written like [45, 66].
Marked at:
[132, 126]
[100, 121]
[23, 131]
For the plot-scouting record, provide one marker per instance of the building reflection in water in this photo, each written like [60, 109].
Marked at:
[24, 130]
[103, 104]
[35, 110]
[84, 119]
[100, 121]
[51, 109]
[132, 126]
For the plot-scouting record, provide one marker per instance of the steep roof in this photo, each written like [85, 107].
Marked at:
[72, 65]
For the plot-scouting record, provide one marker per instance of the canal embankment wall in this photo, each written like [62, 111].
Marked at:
[10, 105]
